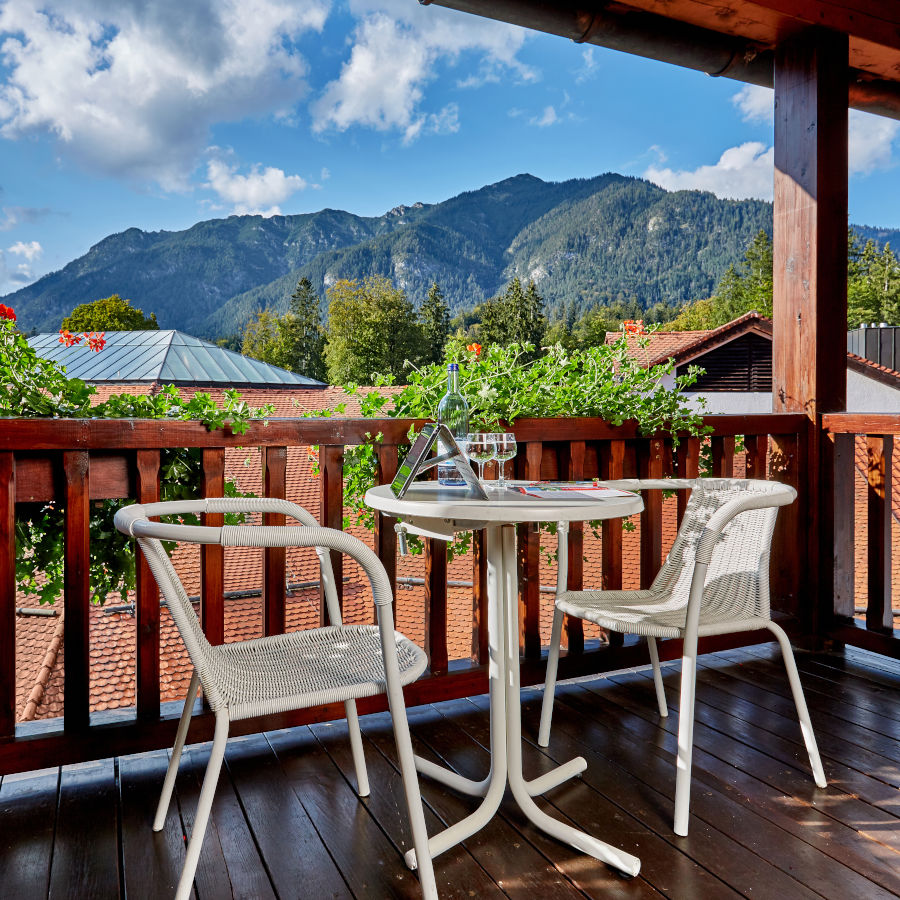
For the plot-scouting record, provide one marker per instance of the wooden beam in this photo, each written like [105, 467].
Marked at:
[810, 279]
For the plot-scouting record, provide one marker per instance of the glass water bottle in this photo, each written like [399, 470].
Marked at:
[453, 411]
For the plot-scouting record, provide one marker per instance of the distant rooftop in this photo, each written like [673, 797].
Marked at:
[164, 357]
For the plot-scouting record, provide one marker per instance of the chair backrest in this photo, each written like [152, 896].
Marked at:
[737, 581]
[204, 656]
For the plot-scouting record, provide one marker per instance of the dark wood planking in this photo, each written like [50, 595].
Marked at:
[85, 849]
[457, 874]
[212, 556]
[844, 525]
[331, 513]
[385, 536]
[7, 594]
[879, 454]
[480, 649]
[528, 466]
[651, 466]
[360, 849]
[147, 597]
[436, 604]
[274, 585]
[76, 474]
[151, 861]
[722, 456]
[573, 627]
[28, 806]
[293, 851]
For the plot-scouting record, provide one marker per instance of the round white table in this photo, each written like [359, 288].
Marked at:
[439, 512]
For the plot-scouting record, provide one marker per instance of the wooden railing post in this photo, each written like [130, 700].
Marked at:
[436, 605]
[76, 473]
[7, 594]
[757, 446]
[879, 451]
[331, 514]
[612, 466]
[573, 628]
[651, 466]
[529, 545]
[274, 584]
[147, 598]
[212, 556]
[385, 536]
[722, 447]
[789, 539]
[844, 525]
[480, 646]
[688, 466]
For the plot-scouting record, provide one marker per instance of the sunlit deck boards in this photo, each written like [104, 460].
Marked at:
[286, 822]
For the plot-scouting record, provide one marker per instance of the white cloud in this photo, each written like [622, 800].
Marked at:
[396, 49]
[131, 88]
[589, 67]
[257, 193]
[31, 251]
[17, 215]
[545, 119]
[871, 138]
[741, 172]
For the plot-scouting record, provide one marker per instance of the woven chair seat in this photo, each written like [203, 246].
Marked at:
[308, 668]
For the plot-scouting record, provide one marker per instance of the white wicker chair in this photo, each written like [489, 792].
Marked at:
[283, 672]
[714, 581]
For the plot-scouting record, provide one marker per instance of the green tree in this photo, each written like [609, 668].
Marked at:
[372, 331]
[515, 316]
[109, 314]
[294, 341]
[434, 317]
[873, 284]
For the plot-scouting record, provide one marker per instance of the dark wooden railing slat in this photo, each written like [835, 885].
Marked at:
[844, 482]
[331, 513]
[722, 456]
[274, 585]
[76, 476]
[651, 466]
[688, 466]
[612, 466]
[212, 556]
[573, 628]
[480, 647]
[757, 446]
[436, 605]
[385, 536]
[7, 594]
[788, 541]
[529, 548]
[147, 598]
[879, 453]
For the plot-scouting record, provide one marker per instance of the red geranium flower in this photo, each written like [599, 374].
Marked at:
[6, 312]
[96, 340]
[474, 348]
[66, 337]
[633, 326]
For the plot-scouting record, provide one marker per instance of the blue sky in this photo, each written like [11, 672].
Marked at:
[158, 115]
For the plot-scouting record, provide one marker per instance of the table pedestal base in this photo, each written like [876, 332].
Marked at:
[506, 729]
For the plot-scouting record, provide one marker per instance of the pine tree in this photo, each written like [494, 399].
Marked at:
[434, 317]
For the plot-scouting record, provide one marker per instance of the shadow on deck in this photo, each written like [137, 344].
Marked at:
[287, 823]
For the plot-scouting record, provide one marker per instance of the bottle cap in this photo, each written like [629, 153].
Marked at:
[453, 367]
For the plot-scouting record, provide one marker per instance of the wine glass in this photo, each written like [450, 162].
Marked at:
[480, 449]
[505, 449]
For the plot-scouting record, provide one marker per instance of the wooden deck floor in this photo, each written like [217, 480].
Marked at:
[286, 822]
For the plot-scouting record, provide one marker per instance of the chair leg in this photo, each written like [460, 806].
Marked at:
[806, 728]
[180, 736]
[657, 678]
[204, 805]
[685, 738]
[356, 748]
[550, 679]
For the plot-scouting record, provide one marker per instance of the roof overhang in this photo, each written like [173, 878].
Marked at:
[730, 38]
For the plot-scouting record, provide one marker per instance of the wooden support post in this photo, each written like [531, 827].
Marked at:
[810, 281]
[212, 556]
[331, 514]
[7, 594]
[274, 586]
[147, 598]
[77, 636]
[879, 451]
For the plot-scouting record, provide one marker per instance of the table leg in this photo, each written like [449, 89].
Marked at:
[626, 862]
[493, 786]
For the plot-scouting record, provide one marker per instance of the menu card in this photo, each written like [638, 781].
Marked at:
[570, 490]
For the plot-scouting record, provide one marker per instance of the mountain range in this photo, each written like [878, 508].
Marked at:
[583, 241]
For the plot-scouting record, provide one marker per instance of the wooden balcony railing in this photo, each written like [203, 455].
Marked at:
[79, 461]
[866, 506]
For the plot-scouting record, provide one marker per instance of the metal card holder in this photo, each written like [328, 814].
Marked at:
[418, 461]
